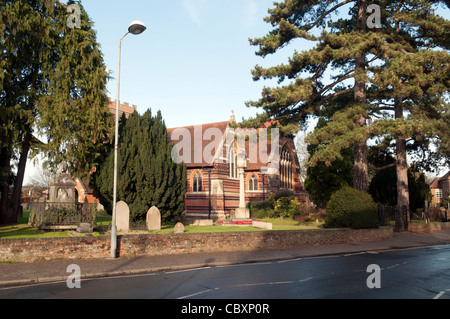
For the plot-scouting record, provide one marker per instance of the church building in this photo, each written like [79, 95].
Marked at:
[214, 153]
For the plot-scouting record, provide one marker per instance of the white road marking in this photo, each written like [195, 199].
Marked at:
[198, 293]
[186, 270]
[439, 295]
[355, 254]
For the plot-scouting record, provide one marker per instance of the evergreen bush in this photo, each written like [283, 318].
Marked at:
[351, 208]
[147, 175]
[287, 207]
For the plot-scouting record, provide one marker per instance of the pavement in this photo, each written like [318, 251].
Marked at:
[17, 274]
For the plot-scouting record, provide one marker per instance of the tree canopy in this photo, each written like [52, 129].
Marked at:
[391, 81]
[147, 176]
[52, 88]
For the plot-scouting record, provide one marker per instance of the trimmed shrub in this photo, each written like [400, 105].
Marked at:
[287, 207]
[351, 208]
[262, 209]
[275, 206]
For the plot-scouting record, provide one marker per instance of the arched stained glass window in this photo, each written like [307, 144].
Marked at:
[197, 182]
[253, 183]
[232, 160]
[286, 169]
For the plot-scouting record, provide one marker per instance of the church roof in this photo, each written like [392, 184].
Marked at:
[203, 146]
[197, 142]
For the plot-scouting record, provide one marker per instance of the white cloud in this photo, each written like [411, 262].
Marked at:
[192, 10]
[251, 13]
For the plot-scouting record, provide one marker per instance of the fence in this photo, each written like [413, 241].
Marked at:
[61, 214]
[400, 215]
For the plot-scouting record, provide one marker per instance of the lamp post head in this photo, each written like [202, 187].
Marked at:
[136, 27]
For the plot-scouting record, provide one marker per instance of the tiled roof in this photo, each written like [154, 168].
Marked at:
[435, 183]
[197, 147]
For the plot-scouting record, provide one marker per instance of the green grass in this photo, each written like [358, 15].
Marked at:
[278, 224]
[21, 230]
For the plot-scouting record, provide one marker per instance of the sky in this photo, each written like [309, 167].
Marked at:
[194, 60]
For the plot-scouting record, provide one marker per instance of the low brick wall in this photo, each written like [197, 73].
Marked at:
[428, 228]
[29, 250]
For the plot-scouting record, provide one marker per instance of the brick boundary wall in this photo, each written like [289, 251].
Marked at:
[428, 228]
[30, 250]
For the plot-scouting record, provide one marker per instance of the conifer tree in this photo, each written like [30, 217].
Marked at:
[147, 176]
[406, 95]
[52, 82]
[366, 67]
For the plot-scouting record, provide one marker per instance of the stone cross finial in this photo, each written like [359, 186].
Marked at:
[232, 118]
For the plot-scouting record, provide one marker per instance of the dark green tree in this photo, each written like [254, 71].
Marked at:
[383, 185]
[52, 83]
[147, 176]
[386, 73]
[323, 179]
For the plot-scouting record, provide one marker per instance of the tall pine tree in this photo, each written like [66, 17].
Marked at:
[364, 66]
[408, 83]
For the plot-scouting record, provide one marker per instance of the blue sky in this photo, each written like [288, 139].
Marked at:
[194, 60]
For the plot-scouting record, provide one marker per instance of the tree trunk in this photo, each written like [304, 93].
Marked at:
[360, 167]
[5, 170]
[16, 197]
[401, 165]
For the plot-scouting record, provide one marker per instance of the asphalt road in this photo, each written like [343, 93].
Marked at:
[421, 273]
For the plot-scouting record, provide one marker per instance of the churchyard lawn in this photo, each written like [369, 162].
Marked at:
[22, 230]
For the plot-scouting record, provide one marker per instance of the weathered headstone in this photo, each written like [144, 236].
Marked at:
[85, 228]
[122, 216]
[153, 219]
[179, 228]
[62, 187]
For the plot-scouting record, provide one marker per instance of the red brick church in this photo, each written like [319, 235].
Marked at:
[211, 153]
[213, 190]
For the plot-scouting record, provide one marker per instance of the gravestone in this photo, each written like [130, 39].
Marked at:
[122, 216]
[62, 187]
[153, 219]
[85, 228]
[179, 228]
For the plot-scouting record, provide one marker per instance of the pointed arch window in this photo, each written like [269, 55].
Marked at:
[232, 160]
[286, 169]
[253, 183]
[197, 182]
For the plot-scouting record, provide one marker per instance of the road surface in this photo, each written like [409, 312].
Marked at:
[421, 273]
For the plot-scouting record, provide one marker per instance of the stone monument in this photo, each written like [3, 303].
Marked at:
[122, 216]
[153, 219]
[62, 187]
[179, 228]
[85, 228]
[241, 212]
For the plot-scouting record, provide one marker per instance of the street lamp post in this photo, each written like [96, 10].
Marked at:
[136, 27]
